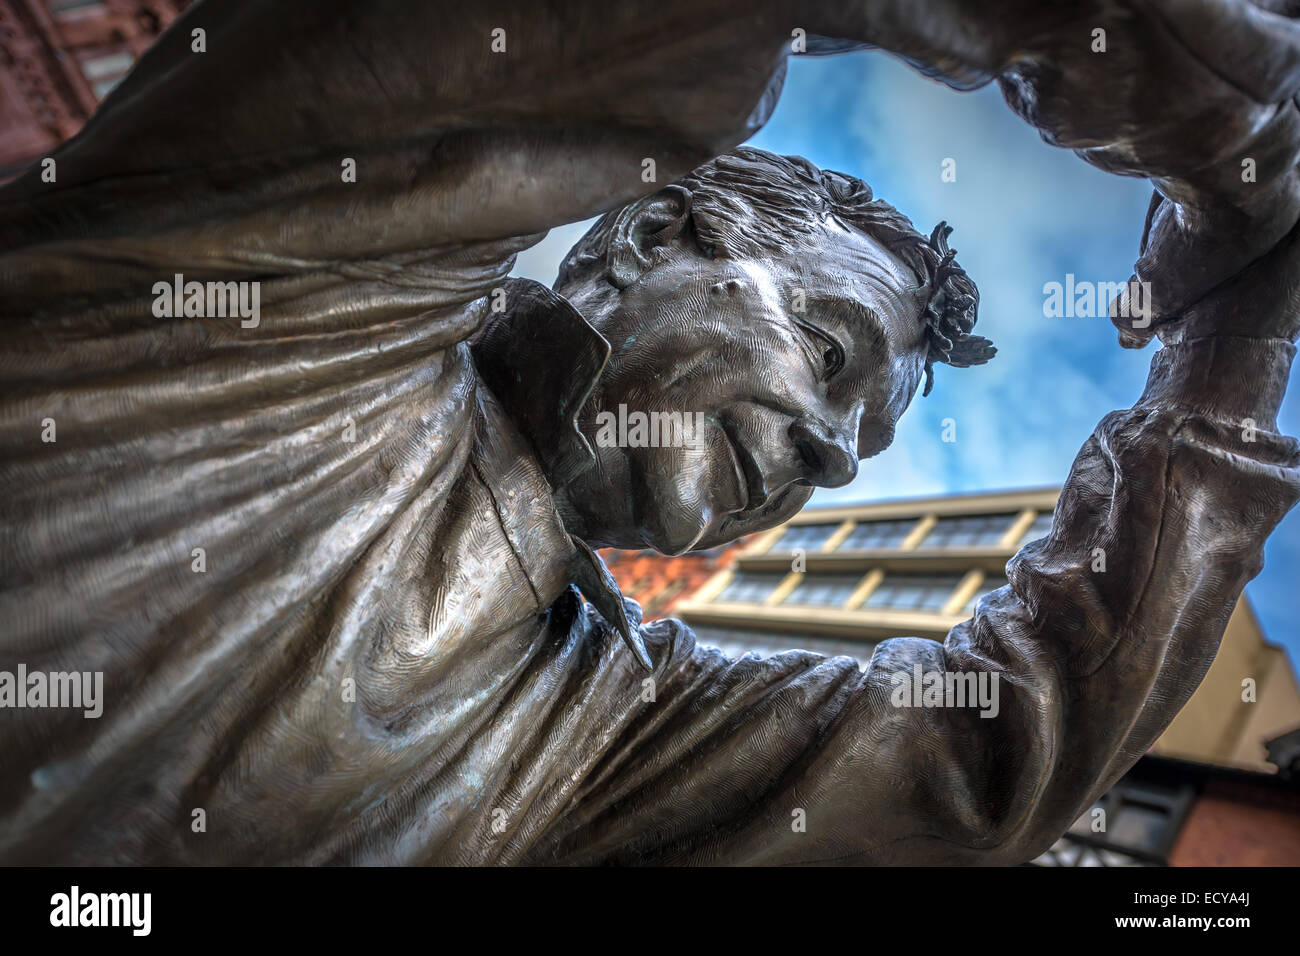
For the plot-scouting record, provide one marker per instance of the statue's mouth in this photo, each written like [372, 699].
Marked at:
[749, 475]
[759, 499]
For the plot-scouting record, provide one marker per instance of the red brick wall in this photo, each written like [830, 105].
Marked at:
[658, 583]
[1236, 825]
[44, 95]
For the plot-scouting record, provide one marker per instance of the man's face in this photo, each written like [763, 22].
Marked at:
[797, 364]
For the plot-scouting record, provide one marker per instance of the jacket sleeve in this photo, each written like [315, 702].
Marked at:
[1106, 628]
[315, 131]
[308, 133]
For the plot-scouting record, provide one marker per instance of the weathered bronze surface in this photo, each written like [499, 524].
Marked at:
[329, 561]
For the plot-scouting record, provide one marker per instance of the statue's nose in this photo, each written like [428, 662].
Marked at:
[830, 459]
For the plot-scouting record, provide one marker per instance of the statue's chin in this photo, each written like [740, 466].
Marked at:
[678, 534]
[674, 502]
[670, 528]
[673, 528]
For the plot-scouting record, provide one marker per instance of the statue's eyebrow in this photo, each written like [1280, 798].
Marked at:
[858, 318]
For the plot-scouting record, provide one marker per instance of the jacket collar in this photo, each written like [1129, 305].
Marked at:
[540, 358]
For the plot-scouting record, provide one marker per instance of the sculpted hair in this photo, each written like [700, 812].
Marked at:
[749, 201]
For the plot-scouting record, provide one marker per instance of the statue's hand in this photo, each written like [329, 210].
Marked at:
[1198, 96]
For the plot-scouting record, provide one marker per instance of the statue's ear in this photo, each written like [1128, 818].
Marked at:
[653, 220]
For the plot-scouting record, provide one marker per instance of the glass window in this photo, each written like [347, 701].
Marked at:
[105, 71]
[913, 592]
[1136, 827]
[1039, 529]
[1139, 826]
[878, 534]
[804, 537]
[968, 531]
[750, 588]
[824, 590]
[112, 64]
[737, 642]
[73, 8]
[1068, 852]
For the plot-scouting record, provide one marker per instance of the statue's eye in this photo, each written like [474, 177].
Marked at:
[829, 350]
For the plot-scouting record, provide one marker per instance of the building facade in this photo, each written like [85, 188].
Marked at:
[58, 59]
[838, 580]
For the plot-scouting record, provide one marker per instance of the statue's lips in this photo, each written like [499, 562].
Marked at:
[748, 472]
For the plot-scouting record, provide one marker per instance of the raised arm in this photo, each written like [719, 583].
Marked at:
[501, 119]
[465, 122]
[1196, 95]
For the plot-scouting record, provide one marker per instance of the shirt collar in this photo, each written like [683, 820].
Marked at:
[540, 358]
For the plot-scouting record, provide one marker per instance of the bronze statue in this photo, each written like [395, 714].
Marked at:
[291, 463]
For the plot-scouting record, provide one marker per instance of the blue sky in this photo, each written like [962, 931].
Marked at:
[1023, 214]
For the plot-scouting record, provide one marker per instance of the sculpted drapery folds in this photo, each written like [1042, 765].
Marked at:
[329, 561]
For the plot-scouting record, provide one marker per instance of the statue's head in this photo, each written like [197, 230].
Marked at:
[795, 313]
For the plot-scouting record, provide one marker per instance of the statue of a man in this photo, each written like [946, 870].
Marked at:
[326, 545]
